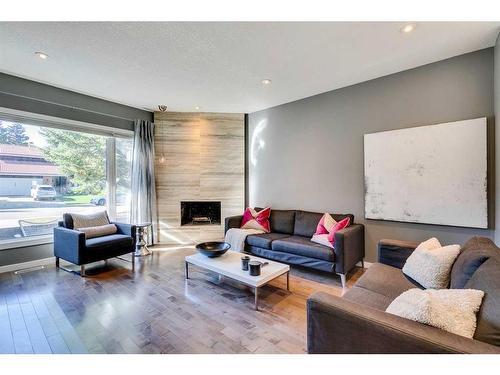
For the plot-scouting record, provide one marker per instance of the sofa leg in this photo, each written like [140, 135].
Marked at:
[133, 261]
[342, 280]
[82, 270]
[362, 263]
[57, 262]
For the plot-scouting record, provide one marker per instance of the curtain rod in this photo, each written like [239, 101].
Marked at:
[65, 106]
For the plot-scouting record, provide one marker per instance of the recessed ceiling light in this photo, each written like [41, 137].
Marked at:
[42, 55]
[197, 108]
[408, 28]
[266, 82]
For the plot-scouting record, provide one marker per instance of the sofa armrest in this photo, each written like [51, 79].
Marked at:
[126, 229]
[337, 325]
[232, 222]
[69, 244]
[349, 247]
[394, 252]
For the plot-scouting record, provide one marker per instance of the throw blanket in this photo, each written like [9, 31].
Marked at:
[236, 237]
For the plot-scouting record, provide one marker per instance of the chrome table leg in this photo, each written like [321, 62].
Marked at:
[256, 299]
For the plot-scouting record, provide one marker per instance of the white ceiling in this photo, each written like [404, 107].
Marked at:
[219, 66]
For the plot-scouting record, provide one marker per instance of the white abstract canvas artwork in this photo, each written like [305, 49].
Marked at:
[434, 174]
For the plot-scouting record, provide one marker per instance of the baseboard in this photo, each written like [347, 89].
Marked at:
[52, 260]
[30, 264]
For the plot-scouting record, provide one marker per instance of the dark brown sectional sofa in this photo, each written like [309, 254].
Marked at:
[357, 321]
[290, 242]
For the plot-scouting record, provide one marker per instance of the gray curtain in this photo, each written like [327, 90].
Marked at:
[143, 202]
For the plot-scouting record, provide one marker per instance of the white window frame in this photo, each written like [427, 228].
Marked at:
[28, 118]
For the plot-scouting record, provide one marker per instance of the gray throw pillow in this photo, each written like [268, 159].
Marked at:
[99, 231]
[487, 279]
[474, 253]
[90, 220]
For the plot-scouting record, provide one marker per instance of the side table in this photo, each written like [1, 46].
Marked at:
[141, 248]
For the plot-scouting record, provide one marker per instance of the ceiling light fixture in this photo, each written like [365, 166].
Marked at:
[162, 107]
[197, 108]
[266, 81]
[408, 28]
[42, 55]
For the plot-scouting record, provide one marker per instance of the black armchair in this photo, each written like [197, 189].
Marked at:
[72, 246]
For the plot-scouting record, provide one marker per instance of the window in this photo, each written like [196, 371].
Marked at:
[124, 148]
[48, 171]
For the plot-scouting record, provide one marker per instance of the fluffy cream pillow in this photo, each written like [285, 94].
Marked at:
[453, 310]
[430, 264]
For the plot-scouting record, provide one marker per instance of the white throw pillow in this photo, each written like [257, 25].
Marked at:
[453, 310]
[430, 264]
[322, 239]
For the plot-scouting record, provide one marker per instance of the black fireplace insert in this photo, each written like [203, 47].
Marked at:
[200, 213]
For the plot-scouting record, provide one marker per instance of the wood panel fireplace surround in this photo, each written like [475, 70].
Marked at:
[200, 160]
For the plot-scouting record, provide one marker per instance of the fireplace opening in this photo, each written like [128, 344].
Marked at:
[200, 213]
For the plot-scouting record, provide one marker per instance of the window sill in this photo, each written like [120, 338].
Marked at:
[25, 242]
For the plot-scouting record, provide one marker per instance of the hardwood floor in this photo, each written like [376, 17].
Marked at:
[154, 310]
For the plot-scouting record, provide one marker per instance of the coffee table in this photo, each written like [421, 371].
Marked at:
[229, 265]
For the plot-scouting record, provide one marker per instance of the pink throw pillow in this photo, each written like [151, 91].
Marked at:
[256, 220]
[326, 229]
[344, 223]
[326, 223]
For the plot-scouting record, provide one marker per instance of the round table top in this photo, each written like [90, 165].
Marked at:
[142, 225]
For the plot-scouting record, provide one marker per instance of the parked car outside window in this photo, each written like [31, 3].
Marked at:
[40, 192]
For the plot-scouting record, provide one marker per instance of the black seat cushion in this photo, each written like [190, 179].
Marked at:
[264, 240]
[303, 246]
[281, 221]
[106, 247]
[107, 242]
[289, 258]
[474, 253]
[306, 222]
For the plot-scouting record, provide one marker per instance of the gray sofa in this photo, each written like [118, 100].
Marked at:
[357, 321]
[290, 242]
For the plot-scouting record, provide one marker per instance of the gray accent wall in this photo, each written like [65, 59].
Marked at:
[30, 96]
[308, 154]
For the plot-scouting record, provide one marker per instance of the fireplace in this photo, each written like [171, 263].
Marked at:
[200, 213]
